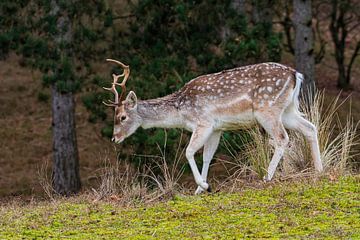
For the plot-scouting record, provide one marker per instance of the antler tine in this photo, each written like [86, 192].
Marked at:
[125, 74]
[110, 103]
[113, 90]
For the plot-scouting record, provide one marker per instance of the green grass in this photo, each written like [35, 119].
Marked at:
[321, 209]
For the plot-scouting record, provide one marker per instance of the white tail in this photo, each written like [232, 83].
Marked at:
[266, 94]
[299, 79]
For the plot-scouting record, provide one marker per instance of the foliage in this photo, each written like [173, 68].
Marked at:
[64, 62]
[298, 209]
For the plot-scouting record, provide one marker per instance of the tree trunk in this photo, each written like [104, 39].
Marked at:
[66, 177]
[339, 32]
[340, 61]
[304, 46]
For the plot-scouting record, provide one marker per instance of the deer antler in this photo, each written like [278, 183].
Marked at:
[125, 74]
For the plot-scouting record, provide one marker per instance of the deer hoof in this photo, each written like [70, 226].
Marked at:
[200, 190]
[266, 179]
[201, 183]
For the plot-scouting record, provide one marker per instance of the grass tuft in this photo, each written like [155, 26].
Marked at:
[121, 182]
[338, 139]
[44, 179]
[158, 180]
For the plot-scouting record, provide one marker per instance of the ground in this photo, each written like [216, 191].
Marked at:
[298, 209]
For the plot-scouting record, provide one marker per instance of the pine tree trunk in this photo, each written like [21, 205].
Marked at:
[66, 178]
[304, 50]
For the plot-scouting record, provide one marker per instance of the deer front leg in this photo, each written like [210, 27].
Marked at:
[199, 137]
[209, 151]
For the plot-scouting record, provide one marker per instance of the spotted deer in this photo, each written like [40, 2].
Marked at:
[265, 94]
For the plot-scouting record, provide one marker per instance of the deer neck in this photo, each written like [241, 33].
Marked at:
[160, 112]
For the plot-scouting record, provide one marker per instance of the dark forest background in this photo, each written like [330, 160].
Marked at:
[53, 69]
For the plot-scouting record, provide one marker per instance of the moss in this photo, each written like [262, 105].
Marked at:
[297, 210]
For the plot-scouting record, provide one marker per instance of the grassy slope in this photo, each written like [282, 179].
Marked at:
[285, 210]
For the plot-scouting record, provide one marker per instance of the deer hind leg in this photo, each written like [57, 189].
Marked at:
[293, 120]
[209, 151]
[274, 127]
[199, 137]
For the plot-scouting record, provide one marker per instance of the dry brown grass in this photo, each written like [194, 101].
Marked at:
[168, 176]
[120, 181]
[338, 137]
[44, 178]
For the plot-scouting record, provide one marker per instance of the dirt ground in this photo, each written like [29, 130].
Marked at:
[25, 128]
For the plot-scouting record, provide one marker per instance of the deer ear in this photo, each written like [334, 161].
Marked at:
[131, 100]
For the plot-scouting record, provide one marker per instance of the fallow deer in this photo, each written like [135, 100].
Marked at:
[265, 93]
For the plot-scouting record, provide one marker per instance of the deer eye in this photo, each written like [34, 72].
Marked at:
[122, 118]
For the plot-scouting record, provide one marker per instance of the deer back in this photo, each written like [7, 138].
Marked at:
[233, 95]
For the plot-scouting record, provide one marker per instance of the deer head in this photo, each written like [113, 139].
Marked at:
[126, 117]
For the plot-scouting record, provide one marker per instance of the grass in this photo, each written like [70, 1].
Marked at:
[301, 209]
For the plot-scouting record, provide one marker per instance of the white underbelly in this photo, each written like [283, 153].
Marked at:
[236, 121]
